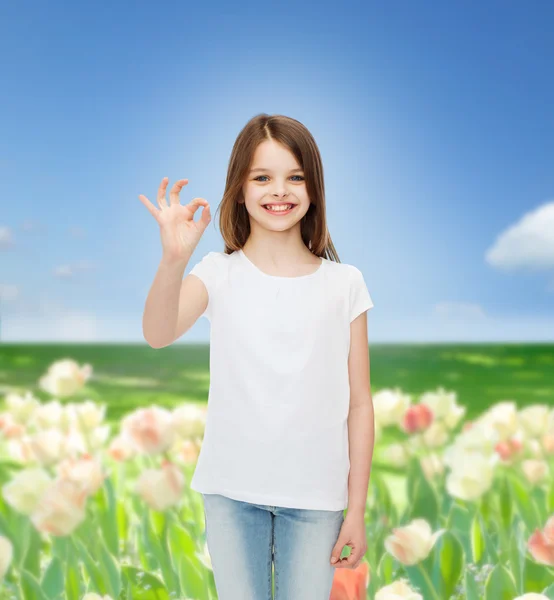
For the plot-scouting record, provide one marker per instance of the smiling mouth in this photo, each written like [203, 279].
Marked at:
[275, 209]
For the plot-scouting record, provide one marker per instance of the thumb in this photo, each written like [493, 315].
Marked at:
[337, 550]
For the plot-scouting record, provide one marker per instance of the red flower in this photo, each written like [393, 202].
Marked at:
[350, 584]
[417, 418]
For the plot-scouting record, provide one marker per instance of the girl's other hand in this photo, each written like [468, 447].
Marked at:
[179, 231]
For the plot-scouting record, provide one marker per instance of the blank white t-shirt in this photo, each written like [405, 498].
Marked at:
[276, 426]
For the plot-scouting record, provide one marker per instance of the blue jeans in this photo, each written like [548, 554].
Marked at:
[244, 538]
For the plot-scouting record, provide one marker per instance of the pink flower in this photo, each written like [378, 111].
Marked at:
[417, 418]
[541, 543]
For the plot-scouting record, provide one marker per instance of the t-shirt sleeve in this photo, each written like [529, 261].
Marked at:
[360, 300]
[208, 269]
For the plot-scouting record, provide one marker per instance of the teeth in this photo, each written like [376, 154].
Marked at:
[280, 208]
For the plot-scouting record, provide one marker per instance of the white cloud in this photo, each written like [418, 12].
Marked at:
[529, 243]
[6, 238]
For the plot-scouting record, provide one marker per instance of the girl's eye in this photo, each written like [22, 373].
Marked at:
[258, 178]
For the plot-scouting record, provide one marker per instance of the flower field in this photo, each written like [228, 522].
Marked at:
[460, 505]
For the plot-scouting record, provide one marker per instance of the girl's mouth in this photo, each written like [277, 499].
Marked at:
[278, 211]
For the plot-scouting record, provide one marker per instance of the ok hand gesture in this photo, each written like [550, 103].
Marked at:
[180, 233]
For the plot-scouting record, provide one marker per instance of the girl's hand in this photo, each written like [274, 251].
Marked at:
[353, 534]
[179, 231]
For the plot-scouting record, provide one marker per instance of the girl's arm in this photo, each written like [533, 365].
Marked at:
[361, 425]
[173, 304]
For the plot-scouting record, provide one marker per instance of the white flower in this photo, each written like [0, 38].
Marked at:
[535, 470]
[24, 490]
[444, 407]
[161, 488]
[436, 435]
[48, 446]
[396, 454]
[89, 414]
[150, 429]
[61, 508]
[390, 406]
[412, 543]
[86, 471]
[65, 378]
[48, 415]
[189, 420]
[471, 476]
[534, 420]
[432, 466]
[503, 418]
[21, 407]
[399, 590]
[122, 448]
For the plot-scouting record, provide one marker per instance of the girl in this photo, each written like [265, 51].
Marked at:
[289, 431]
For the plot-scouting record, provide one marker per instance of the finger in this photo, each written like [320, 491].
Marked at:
[151, 208]
[193, 207]
[162, 201]
[348, 562]
[174, 193]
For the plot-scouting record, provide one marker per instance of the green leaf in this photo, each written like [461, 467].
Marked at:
[471, 586]
[526, 505]
[424, 502]
[110, 570]
[505, 503]
[477, 539]
[459, 522]
[449, 564]
[52, 581]
[30, 587]
[536, 576]
[92, 568]
[142, 585]
[549, 592]
[107, 516]
[517, 551]
[72, 575]
[385, 569]
[500, 584]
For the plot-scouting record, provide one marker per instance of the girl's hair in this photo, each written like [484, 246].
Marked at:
[233, 219]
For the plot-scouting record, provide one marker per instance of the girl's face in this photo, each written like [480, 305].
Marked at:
[275, 177]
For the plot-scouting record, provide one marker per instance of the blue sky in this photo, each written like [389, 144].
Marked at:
[435, 122]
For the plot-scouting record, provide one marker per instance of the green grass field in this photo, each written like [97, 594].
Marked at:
[127, 376]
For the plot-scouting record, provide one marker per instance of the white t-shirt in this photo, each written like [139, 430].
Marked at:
[276, 426]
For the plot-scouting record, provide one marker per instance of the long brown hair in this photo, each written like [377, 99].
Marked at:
[234, 222]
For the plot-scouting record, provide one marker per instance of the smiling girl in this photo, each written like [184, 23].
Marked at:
[289, 431]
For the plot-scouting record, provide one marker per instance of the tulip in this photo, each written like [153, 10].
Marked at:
[417, 418]
[399, 590]
[351, 584]
[535, 470]
[541, 543]
[161, 488]
[189, 420]
[150, 429]
[412, 543]
[85, 471]
[65, 378]
[24, 490]
[534, 419]
[389, 407]
[61, 508]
